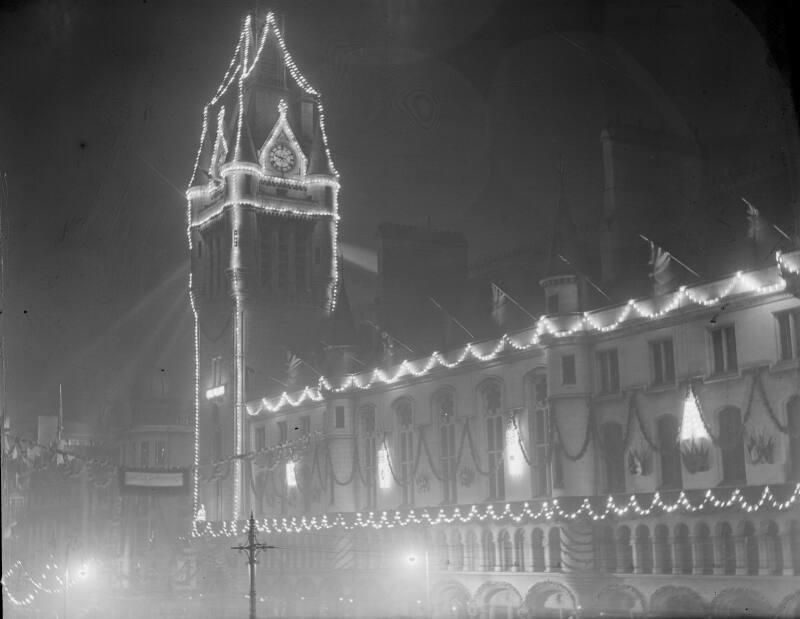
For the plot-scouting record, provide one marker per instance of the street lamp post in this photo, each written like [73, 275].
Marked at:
[413, 559]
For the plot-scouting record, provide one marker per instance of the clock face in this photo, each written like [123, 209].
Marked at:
[281, 158]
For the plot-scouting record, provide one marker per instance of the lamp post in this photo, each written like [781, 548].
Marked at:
[413, 559]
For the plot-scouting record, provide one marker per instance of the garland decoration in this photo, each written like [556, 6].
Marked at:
[551, 510]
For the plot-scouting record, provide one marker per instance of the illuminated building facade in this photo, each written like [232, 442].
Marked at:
[631, 460]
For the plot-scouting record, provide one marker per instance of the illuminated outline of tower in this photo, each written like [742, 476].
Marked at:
[262, 217]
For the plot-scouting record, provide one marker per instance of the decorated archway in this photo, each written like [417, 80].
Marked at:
[789, 606]
[620, 601]
[671, 601]
[450, 600]
[740, 602]
[551, 599]
[497, 600]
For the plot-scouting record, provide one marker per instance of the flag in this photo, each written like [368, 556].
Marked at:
[753, 221]
[499, 305]
[659, 265]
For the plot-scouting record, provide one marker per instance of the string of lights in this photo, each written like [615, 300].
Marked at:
[549, 511]
[739, 284]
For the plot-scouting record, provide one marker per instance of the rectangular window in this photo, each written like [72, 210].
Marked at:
[339, 417]
[283, 432]
[300, 263]
[662, 358]
[305, 425]
[608, 371]
[788, 335]
[261, 438]
[552, 304]
[265, 256]
[568, 369]
[283, 261]
[723, 348]
[495, 435]
[144, 454]
[161, 453]
[216, 371]
[406, 462]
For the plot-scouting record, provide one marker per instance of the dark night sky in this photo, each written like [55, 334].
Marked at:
[453, 110]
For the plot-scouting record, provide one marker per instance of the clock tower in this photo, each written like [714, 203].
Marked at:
[262, 230]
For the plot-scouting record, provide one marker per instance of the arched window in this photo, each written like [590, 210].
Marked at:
[732, 445]
[683, 550]
[442, 559]
[554, 549]
[506, 550]
[644, 550]
[519, 550]
[624, 550]
[539, 434]
[489, 552]
[404, 414]
[726, 549]
[537, 550]
[773, 549]
[793, 423]
[471, 552]
[606, 549]
[444, 411]
[669, 451]
[704, 548]
[457, 554]
[662, 550]
[750, 548]
[614, 453]
[491, 399]
[370, 453]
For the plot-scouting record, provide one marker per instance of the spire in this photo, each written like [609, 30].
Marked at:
[260, 75]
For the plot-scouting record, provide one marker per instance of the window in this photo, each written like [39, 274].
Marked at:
[669, 452]
[283, 432]
[552, 303]
[491, 396]
[339, 417]
[608, 371]
[539, 430]
[329, 197]
[161, 453]
[261, 438]
[305, 425]
[144, 454]
[788, 335]
[216, 371]
[405, 448]
[217, 440]
[723, 349]
[283, 261]
[568, 369]
[265, 253]
[444, 409]
[614, 451]
[301, 263]
[663, 362]
[370, 456]
[731, 442]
